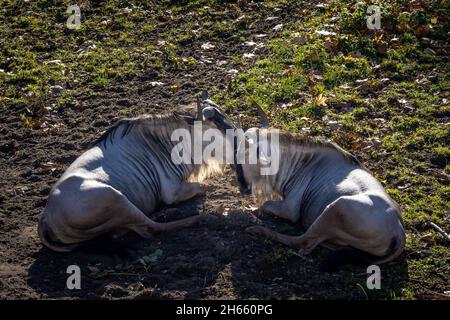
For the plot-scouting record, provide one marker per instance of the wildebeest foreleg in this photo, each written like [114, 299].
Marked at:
[304, 242]
[146, 227]
[282, 208]
[183, 191]
[361, 221]
[318, 232]
[186, 222]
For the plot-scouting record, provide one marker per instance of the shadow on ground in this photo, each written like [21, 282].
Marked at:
[215, 260]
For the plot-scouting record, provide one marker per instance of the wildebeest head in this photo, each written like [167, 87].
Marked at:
[207, 110]
[256, 141]
[244, 141]
[211, 117]
[211, 113]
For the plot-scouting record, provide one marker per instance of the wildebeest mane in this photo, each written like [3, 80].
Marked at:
[156, 130]
[127, 125]
[272, 187]
[287, 138]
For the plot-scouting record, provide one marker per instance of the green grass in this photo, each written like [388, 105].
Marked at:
[373, 84]
[38, 51]
[384, 86]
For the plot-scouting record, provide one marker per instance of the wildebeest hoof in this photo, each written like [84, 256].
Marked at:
[172, 211]
[245, 191]
[255, 230]
[205, 217]
[201, 189]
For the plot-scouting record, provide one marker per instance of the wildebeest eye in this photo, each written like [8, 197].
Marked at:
[249, 140]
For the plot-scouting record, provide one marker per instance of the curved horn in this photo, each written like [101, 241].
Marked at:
[199, 109]
[238, 125]
[262, 115]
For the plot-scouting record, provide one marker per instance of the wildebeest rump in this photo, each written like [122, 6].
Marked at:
[113, 187]
[328, 192]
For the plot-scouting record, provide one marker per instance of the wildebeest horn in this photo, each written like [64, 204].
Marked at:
[238, 125]
[199, 109]
[262, 115]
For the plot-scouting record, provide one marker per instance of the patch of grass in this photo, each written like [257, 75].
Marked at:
[384, 85]
[390, 85]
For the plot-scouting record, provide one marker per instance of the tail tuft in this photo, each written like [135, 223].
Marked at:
[49, 241]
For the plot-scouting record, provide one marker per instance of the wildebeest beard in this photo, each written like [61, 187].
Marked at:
[224, 123]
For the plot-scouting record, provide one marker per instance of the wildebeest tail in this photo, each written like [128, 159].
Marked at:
[45, 234]
[395, 249]
[104, 245]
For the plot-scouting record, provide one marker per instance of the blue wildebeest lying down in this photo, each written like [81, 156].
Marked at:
[113, 187]
[328, 192]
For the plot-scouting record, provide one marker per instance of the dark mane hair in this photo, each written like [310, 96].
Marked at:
[127, 124]
[291, 139]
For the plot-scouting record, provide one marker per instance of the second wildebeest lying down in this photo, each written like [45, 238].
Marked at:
[328, 192]
[114, 186]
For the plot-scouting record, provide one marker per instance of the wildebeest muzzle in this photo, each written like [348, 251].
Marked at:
[212, 112]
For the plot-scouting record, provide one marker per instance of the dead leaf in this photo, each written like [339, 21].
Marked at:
[288, 72]
[377, 39]
[325, 33]
[278, 27]
[320, 101]
[334, 124]
[427, 238]
[50, 166]
[207, 46]
[249, 55]
[314, 78]
[422, 30]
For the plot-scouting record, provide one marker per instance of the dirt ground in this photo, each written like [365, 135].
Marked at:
[217, 260]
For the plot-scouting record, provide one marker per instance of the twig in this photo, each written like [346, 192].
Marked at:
[439, 229]
[362, 288]
[107, 274]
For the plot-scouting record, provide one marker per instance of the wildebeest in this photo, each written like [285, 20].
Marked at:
[114, 186]
[328, 192]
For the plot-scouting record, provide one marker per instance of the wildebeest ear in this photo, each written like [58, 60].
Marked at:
[263, 158]
[262, 115]
[209, 113]
[263, 155]
[205, 95]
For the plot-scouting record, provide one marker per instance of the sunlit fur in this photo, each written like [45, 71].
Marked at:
[328, 192]
[163, 126]
[207, 170]
[265, 188]
[115, 185]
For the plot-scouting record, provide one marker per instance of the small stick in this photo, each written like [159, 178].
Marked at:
[106, 274]
[439, 229]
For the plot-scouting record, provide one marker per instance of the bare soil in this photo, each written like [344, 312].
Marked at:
[217, 260]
